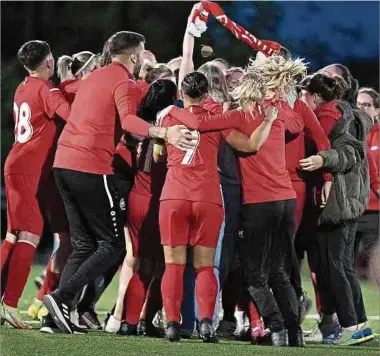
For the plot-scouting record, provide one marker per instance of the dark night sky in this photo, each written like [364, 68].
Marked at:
[333, 22]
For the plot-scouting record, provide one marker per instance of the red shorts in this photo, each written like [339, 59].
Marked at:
[29, 200]
[185, 222]
[142, 222]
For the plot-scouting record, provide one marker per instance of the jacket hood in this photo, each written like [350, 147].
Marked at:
[354, 121]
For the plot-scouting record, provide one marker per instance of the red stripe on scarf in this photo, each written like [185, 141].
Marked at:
[269, 48]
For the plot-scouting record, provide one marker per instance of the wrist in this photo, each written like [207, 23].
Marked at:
[320, 154]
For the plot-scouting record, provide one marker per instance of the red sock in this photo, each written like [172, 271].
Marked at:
[135, 297]
[6, 249]
[254, 315]
[206, 289]
[19, 267]
[50, 281]
[317, 299]
[172, 291]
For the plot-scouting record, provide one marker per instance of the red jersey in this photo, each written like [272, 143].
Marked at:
[69, 89]
[36, 102]
[295, 146]
[150, 176]
[328, 114]
[373, 143]
[143, 88]
[264, 175]
[104, 105]
[193, 175]
[212, 106]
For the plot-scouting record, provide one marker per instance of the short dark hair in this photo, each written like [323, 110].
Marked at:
[32, 53]
[351, 93]
[194, 85]
[327, 88]
[123, 41]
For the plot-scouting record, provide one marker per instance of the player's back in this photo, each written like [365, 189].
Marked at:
[35, 132]
[193, 174]
[93, 129]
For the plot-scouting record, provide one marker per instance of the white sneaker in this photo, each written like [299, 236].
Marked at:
[112, 326]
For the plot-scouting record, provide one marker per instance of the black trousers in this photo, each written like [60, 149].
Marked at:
[232, 218]
[265, 251]
[93, 207]
[338, 285]
[96, 288]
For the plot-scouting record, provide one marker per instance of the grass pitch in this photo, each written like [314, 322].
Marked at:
[33, 343]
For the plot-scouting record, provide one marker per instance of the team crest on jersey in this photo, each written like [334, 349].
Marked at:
[122, 204]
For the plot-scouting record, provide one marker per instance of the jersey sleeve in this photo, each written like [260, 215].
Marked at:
[208, 121]
[293, 122]
[54, 102]
[126, 97]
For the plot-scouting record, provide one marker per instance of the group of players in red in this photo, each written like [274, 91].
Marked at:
[119, 167]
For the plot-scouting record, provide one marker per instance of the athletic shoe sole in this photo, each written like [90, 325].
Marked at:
[14, 322]
[56, 313]
[50, 330]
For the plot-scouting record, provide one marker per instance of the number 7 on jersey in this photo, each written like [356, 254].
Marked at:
[190, 153]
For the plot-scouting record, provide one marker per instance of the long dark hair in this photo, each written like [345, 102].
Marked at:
[327, 88]
[161, 94]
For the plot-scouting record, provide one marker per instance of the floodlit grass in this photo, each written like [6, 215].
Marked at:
[30, 343]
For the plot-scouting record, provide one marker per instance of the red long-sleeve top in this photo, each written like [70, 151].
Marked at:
[88, 140]
[295, 147]
[373, 142]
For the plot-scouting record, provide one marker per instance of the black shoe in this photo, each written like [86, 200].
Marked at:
[59, 312]
[141, 328]
[295, 338]
[280, 339]
[173, 331]
[49, 326]
[90, 320]
[207, 332]
[127, 329]
[226, 329]
[146, 328]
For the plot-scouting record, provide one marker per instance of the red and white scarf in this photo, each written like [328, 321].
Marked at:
[200, 17]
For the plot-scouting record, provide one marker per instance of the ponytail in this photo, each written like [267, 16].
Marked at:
[64, 72]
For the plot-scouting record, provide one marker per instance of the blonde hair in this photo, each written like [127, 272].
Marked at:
[279, 74]
[217, 85]
[68, 68]
[158, 71]
[250, 92]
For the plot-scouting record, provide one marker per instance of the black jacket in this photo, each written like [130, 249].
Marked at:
[347, 161]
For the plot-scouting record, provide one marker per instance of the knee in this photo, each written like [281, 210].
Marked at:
[203, 257]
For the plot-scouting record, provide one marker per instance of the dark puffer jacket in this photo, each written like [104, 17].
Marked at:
[347, 161]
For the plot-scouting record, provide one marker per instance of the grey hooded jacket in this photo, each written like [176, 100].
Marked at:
[347, 161]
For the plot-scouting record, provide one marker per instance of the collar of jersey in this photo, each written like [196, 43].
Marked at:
[130, 75]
